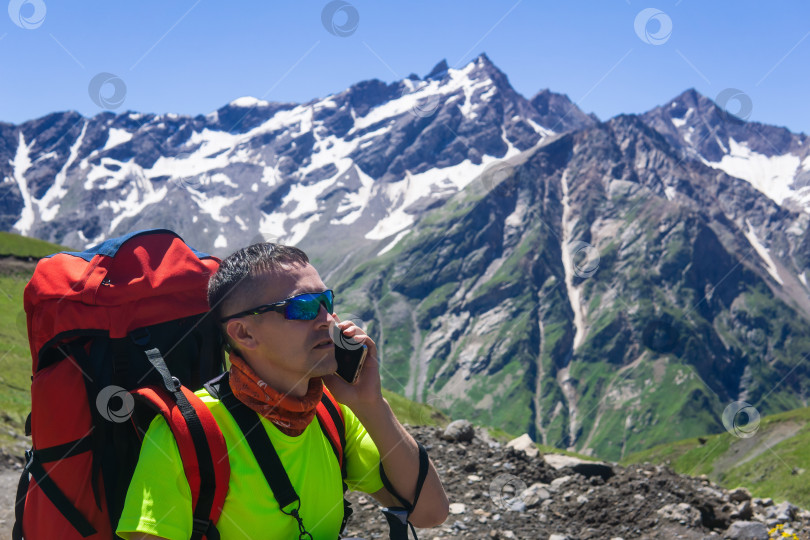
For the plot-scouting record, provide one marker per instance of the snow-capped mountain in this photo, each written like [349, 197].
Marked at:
[362, 165]
[772, 159]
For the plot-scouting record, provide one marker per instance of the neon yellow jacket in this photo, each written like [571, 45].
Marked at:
[158, 501]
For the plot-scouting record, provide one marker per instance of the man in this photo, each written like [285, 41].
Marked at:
[279, 359]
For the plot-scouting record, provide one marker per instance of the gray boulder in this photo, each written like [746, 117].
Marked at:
[580, 466]
[535, 494]
[747, 530]
[458, 430]
[682, 513]
[739, 494]
[524, 443]
[783, 512]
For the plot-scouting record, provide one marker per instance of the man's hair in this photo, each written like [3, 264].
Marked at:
[238, 272]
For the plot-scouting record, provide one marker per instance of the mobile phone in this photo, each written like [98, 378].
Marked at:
[350, 362]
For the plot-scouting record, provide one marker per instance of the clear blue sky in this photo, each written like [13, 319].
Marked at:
[193, 56]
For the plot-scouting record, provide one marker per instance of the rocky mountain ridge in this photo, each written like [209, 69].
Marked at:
[364, 163]
[617, 292]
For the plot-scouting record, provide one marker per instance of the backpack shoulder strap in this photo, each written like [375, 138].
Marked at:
[330, 417]
[202, 450]
[265, 453]
[333, 425]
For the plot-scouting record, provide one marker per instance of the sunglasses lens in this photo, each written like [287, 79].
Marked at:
[306, 306]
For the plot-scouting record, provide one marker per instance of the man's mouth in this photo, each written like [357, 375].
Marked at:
[324, 344]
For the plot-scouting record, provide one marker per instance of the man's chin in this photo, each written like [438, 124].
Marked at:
[325, 363]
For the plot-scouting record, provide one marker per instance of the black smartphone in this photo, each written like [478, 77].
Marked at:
[350, 362]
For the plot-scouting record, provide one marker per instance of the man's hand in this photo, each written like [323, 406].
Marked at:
[367, 391]
[398, 450]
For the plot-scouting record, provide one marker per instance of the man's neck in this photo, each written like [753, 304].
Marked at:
[291, 386]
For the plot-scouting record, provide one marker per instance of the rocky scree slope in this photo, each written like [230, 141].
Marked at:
[498, 491]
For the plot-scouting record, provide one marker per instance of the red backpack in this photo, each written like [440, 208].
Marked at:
[119, 333]
[127, 315]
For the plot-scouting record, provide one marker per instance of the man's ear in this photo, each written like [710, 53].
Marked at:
[241, 334]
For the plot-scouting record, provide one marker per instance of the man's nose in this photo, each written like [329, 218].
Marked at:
[323, 314]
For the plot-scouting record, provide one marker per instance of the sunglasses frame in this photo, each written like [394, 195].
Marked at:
[281, 307]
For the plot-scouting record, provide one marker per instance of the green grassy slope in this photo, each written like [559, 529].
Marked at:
[15, 357]
[22, 246]
[774, 462]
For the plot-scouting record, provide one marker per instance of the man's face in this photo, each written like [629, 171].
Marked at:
[288, 352]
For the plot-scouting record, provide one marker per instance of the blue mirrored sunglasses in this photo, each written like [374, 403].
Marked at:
[303, 307]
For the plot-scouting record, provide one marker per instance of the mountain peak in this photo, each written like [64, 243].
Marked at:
[438, 70]
[483, 59]
[688, 98]
[248, 102]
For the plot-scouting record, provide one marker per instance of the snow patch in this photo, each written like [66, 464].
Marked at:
[416, 186]
[115, 137]
[678, 122]
[770, 175]
[134, 202]
[574, 294]
[393, 242]
[273, 225]
[354, 203]
[763, 252]
[687, 137]
[213, 206]
[222, 178]
[248, 102]
[539, 129]
[301, 228]
[57, 190]
[21, 163]
[427, 94]
[221, 241]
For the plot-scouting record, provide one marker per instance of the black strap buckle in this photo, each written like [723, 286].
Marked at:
[140, 336]
[398, 513]
[29, 459]
[397, 519]
[200, 526]
[303, 533]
